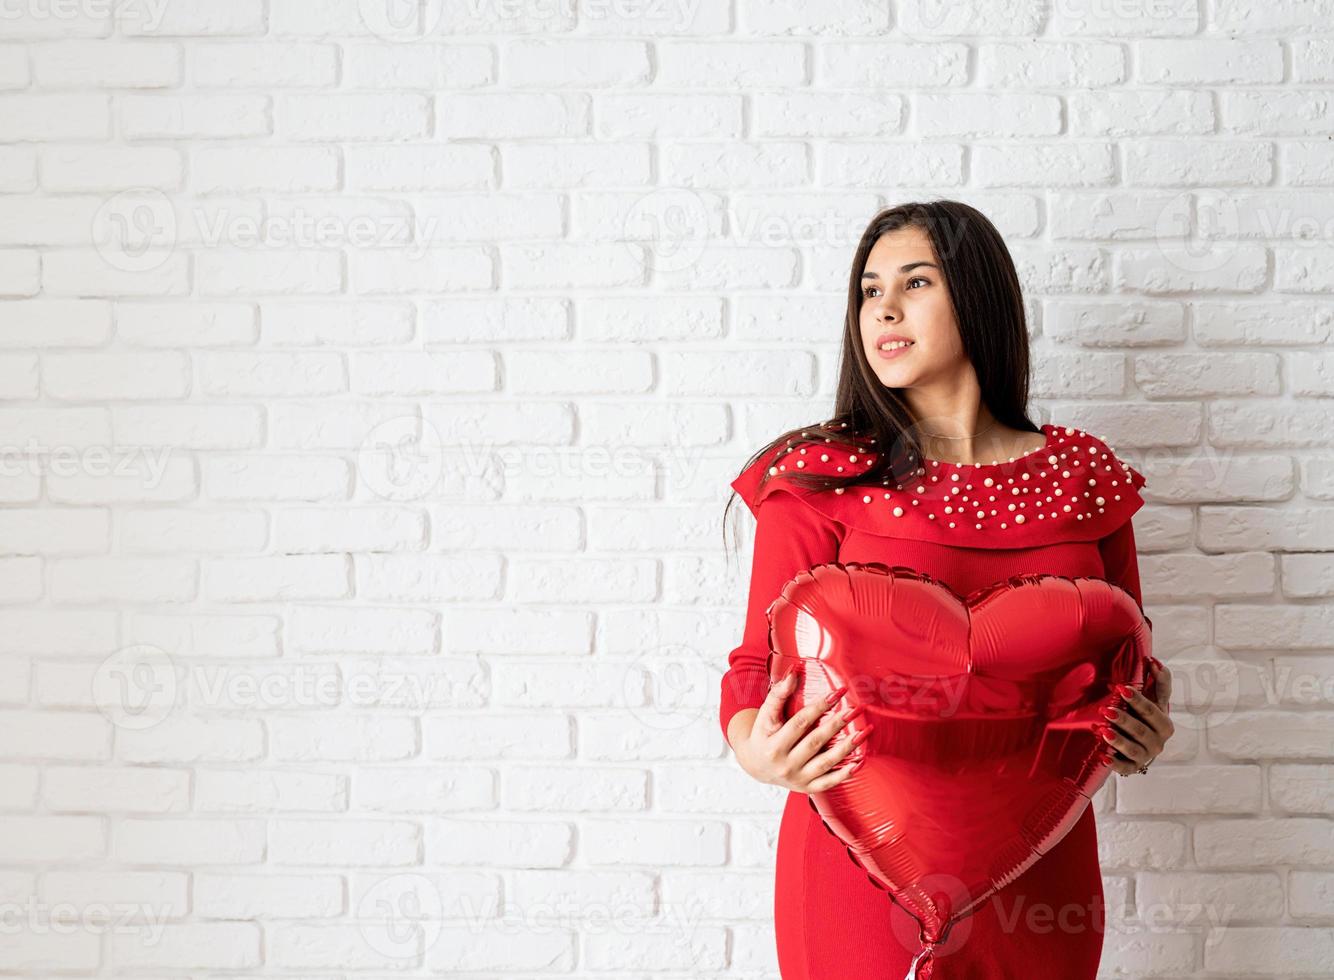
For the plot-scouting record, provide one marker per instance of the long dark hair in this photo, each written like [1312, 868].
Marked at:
[989, 308]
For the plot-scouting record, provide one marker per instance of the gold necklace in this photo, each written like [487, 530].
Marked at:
[973, 436]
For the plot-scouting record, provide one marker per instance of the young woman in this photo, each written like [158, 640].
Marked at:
[930, 461]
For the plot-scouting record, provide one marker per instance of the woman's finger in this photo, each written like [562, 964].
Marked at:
[1128, 747]
[833, 753]
[1119, 764]
[1148, 711]
[1130, 726]
[795, 728]
[823, 734]
[770, 717]
[1162, 680]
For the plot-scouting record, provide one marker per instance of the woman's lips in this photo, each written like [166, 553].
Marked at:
[894, 352]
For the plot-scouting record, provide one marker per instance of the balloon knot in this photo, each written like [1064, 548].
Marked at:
[923, 964]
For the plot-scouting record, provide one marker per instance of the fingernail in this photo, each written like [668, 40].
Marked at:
[854, 713]
[835, 695]
[1110, 713]
[1125, 690]
[1100, 730]
[863, 735]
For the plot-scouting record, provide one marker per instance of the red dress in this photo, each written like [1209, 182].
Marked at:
[1063, 509]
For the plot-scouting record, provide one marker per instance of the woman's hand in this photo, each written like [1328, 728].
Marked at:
[1139, 734]
[793, 753]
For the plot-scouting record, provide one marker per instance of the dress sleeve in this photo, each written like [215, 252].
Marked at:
[790, 537]
[1120, 561]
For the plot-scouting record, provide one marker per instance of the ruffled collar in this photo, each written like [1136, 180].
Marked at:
[1074, 488]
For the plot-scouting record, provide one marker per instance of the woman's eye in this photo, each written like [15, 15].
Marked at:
[870, 291]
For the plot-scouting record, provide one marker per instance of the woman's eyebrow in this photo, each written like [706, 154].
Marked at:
[903, 268]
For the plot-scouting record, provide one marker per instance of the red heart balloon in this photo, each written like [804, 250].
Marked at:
[983, 753]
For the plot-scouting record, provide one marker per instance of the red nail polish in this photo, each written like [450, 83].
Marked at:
[1109, 713]
[856, 712]
[862, 736]
[1125, 690]
[835, 695]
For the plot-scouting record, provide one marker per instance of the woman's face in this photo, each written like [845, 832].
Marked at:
[905, 298]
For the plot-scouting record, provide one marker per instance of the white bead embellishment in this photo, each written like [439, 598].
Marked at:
[1056, 486]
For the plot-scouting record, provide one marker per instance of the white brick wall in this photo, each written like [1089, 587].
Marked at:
[372, 386]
